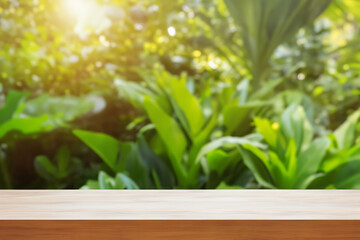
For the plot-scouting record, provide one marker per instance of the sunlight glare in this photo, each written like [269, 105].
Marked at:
[78, 7]
[88, 16]
[172, 31]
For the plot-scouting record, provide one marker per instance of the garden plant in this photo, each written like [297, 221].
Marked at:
[154, 94]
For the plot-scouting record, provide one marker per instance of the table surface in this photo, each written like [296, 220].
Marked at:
[180, 230]
[179, 205]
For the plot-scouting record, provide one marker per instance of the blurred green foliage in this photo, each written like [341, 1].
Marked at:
[151, 94]
[294, 157]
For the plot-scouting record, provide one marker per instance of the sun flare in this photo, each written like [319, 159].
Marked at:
[78, 8]
[88, 16]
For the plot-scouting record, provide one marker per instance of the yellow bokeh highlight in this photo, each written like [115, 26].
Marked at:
[275, 126]
[196, 53]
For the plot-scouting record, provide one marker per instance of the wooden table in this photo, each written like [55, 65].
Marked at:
[180, 214]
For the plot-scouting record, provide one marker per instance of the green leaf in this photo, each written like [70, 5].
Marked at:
[121, 181]
[202, 138]
[220, 142]
[63, 159]
[242, 90]
[278, 171]
[105, 181]
[348, 176]
[26, 125]
[136, 166]
[188, 104]
[127, 182]
[255, 160]
[345, 134]
[61, 109]
[224, 185]
[40, 114]
[170, 133]
[155, 163]
[294, 124]
[45, 168]
[291, 160]
[167, 128]
[218, 160]
[91, 184]
[345, 176]
[265, 128]
[13, 100]
[267, 90]
[310, 159]
[103, 145]
[133, 92]
[235, 116]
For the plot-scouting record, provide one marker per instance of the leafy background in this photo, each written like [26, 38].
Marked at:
[205, 94]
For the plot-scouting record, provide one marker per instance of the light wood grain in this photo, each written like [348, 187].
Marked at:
[180, 205]
[180, 230]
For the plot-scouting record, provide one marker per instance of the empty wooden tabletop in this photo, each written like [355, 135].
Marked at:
[180, 205]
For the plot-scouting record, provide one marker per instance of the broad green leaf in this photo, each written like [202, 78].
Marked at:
[310, 159]
[278, 171]
[170, 133]
[294, 124]
[348, 176]
[13, 100]
[242, 91]
[105, 181]
[91, 184]
[332, 162]
[220, 142]
[128, 182]
[202, 138]
[103, 145]
[235, 116]
[345, 134]
[291, 160]
[121, 181]
[136, 166]
[188, 104]
[62, 109]
[167, 128]
[266, 129]
[26, 125]
[155, 163]
[345, 176]
[228, 142]
[218, 160]
[40, 114]
[156, 180]
[354, 152]
[45, 168]
[224, 185]
[133, 92]
[256, 164]
[227, 93]
[312, 179]
[266, 90]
